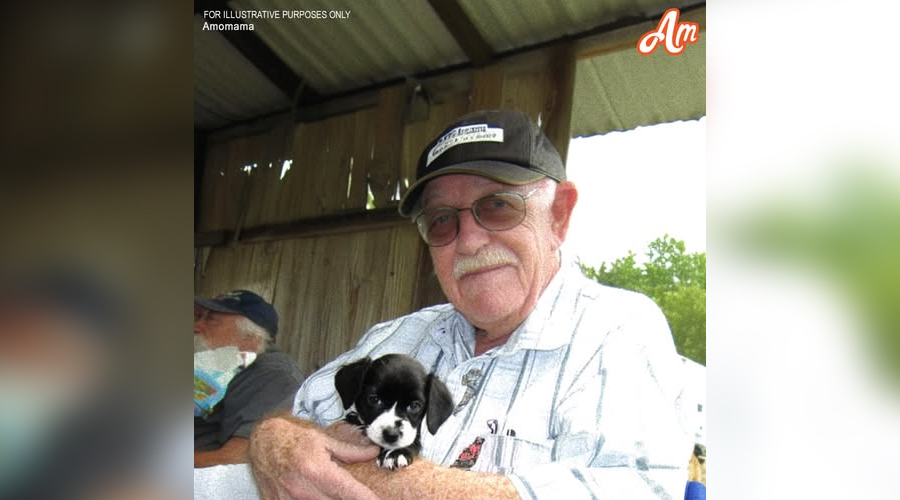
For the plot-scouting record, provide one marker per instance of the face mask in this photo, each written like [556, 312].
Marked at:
[200, 345]
[213, 371]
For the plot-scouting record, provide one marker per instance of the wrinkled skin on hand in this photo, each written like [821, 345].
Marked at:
[295, 459]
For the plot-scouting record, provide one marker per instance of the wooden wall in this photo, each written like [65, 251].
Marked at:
[329, 289]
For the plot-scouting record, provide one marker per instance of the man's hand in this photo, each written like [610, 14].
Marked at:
[295, 459]
[348, 433]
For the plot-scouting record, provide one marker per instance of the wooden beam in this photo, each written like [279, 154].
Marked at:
[303, 114]
[269, 64]
[388, 142]
[561, 86]
[463, 31]
[306, 228]
[261, 55]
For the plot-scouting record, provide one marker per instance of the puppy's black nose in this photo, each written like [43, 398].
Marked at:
[390, 435]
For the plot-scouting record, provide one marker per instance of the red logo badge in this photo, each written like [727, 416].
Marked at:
[674, 34]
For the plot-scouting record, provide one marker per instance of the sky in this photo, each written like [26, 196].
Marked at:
[636, 186]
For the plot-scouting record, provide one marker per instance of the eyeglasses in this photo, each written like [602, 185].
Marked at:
[497, 212]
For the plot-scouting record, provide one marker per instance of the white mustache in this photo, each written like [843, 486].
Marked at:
[489, 257]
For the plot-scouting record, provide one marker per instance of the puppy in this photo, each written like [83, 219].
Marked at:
[388, 398]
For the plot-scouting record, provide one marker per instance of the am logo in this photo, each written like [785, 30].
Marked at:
[674, 35]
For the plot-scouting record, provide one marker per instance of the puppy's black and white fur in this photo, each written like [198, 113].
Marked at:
[388, 398]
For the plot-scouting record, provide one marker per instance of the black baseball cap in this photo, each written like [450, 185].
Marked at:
[502, 145]
[246, 303]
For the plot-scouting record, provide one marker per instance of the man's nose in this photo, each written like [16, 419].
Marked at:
[471, 235]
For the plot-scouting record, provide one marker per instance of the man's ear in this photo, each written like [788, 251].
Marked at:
[348, 380]
[561, 210]
[440, 403]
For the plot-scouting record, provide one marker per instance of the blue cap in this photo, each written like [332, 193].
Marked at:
[246, 303]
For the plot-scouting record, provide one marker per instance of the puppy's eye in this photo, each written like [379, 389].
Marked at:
[374, 400]
[414, 407]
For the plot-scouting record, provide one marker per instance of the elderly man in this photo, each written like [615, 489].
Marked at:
[563, 388]
[244, 320]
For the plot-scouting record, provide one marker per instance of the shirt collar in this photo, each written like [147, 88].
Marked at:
[454, 334]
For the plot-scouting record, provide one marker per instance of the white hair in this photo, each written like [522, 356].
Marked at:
[250, 329]
[544, 193]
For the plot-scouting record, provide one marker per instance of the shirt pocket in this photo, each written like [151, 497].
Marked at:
[510, 453]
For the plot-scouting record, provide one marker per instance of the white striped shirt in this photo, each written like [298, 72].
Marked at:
[585, 393]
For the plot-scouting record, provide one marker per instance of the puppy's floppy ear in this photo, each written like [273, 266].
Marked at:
[440, 403]
[348, 380]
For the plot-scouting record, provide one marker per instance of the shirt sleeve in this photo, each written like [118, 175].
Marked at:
[619, 432]
[318, 400]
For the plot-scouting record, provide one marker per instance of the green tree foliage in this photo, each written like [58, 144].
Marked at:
[673, 278]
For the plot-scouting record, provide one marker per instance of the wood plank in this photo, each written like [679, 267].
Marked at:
[560, 92]
[487, 88]
[290, 300]
[525, 92]
[313, 141]
[402, 271]
[294, 183]
[332, 282]
[361, 156]
[308, 228]
[327, 290]
[335, 166]
[303, 114]
[385, 168]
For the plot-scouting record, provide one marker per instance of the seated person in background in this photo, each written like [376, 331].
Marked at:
[563, 388]
[244, 320]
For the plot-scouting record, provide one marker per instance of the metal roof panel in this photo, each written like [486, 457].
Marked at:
[227, 87]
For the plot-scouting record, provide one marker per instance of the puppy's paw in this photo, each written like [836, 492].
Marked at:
[394, 459]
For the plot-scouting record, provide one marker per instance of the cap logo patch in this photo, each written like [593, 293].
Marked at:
[234, 296]
[461, 135]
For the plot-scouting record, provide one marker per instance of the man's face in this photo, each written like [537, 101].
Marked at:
[503, 293]
[216, 329]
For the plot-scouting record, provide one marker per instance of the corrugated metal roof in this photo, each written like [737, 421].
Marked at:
[386, 39]
[227, 87]
[381, 40]
[623, 89]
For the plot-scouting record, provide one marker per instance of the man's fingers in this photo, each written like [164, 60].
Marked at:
[351, 453]
[329, 481]
[348, 433]
[293, 460]
[345, 486]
